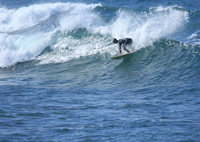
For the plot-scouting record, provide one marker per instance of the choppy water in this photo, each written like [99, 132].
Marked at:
[58, 83]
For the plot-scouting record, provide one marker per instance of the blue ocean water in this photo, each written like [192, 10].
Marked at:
[58, 83]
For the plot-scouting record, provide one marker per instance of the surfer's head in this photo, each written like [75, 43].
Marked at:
[115, 40]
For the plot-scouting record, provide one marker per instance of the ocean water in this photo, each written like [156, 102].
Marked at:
[58, 83]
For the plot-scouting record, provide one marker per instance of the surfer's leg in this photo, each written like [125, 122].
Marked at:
[126, 49]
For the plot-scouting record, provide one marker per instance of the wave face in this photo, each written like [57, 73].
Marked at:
[58, 83]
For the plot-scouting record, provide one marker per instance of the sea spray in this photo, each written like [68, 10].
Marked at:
[147, 27]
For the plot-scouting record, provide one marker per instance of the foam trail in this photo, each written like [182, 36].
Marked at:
[69, 48]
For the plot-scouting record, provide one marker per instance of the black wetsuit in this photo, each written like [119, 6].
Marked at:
[124, 42]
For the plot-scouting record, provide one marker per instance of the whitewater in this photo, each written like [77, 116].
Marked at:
[58, 83]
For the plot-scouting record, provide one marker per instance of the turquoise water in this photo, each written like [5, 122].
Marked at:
[58, 83]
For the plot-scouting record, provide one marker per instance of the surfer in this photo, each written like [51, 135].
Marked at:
[123, 43]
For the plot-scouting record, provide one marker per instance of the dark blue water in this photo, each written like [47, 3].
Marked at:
[58, 83]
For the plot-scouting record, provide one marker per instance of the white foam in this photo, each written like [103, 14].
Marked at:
[20, 48]
[16, 46]
[147, 27]
[18, 19]
[80, 16]
[69, 48]
[194, 38]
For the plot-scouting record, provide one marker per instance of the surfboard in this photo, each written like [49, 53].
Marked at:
[121, 57]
